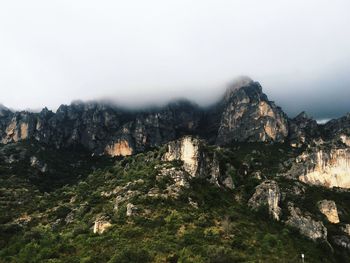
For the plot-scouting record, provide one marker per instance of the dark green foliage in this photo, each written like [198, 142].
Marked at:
[220, 230]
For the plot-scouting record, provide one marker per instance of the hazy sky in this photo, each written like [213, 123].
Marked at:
[137, 52]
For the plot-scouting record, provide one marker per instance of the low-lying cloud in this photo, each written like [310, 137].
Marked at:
[146, 52]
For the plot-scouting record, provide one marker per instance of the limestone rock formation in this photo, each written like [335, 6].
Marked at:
[302, 129]
[120, 148]
[177, 180]
[326, 167]
[244, 114]
[305, 224]
[187, 150]
[267, 194]
[329, 209]
[36, 163]
[130, 209]
[345, 139]
[338, 127]
[249, 116]
[100, 127]
[101, 225]
[196, 160]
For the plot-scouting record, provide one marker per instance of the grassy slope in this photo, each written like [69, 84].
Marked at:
[222, 229]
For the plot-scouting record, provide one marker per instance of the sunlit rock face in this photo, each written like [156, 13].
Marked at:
[345, 139]
[120, 148]
[327, 168]
[102, 128]
[267, 194]
[249, 116]
[101, 225]
[196, 160]
[186, 150]
[329, 209]
[20, 127]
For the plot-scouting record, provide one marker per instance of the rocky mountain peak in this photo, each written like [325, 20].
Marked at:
[302, 129]
[248, 115]
[302, 116]
[243, 86]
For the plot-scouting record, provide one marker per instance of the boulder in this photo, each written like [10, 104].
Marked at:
[346, 229]
[314, 230]
[342, 241]
[267, 194]
[329, 209]
[101, 225]
[130, 209]
[36, 163]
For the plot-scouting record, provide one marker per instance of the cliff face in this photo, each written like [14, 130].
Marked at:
[249, 116]
[196, 160]
[338, 127]
[244, 114]
[302, 129]
[330, 168]
[326, 160]
[102, 128]
[267, 193]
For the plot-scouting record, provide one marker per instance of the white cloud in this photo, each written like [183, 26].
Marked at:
[52, 52]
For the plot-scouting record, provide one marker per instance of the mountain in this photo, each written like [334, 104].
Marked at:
[238, 181]
[243, 114]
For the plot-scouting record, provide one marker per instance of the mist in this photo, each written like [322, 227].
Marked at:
[138, 53]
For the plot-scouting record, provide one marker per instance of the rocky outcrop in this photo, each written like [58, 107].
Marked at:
[130, 209]
[101, 225]
[244, 114]
[342, 241]
[247, 115]
[196, 160]
[346, 229]
[20, 127]
[177, 180]
[102, 128]
[338, 127]
[302, 129]
[120, 148]
[267, 194]
[345, 139]
[315, 230]
[329, 209]
[325, 167]
[36, 163]
[187, 150]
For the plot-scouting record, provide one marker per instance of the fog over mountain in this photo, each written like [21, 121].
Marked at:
[137, 53]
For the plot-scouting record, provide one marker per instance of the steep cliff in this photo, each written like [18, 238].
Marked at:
[326, 166]
[102, 128]
[243, 114]
[302, 130]
[248, 115]
[196, 160]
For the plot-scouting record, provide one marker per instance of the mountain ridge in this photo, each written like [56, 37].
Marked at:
[243, 113]
[237, 181]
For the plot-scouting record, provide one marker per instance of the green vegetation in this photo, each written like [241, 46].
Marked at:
[50, 217]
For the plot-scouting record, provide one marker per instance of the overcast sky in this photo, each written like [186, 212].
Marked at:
[139, 52]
